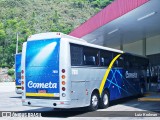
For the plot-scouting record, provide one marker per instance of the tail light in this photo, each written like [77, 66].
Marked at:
[58, 33]
[22, 88]
[63, 70]
[63, 82]
[22, 77]
[63, 76]
[63, 88]
[22, 82]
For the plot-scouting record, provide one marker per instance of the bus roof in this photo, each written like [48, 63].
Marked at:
[94, 46]
[50, 35]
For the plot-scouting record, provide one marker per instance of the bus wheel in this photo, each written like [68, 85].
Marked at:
[94, 102]
[104, 101]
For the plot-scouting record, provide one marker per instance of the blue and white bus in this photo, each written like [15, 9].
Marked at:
[61, 71]
[18, 72]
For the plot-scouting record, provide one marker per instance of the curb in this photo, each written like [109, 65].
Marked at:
[149, 96]
[149, 99]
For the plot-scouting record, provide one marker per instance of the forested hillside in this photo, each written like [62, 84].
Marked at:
[27, 17]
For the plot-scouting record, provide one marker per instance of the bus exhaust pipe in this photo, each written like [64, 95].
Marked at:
[54, 104]
[29, 103]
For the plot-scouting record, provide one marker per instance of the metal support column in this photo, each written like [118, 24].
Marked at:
[121, 46]
[144, 46]
[144, 54]
[121, 42]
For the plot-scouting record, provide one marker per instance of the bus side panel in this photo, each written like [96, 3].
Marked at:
[23, 68]
[114, 83]
[121, 85]
[131, 78]
[78, 92]
[117, 84]
[18, 73]
[120, 82]
[84, 81]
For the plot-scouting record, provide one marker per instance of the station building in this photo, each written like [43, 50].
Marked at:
[129, 25]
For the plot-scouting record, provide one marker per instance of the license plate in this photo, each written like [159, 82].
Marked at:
[41, 91]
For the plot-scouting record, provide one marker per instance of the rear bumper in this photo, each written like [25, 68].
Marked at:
[54, 103]
[47, 103]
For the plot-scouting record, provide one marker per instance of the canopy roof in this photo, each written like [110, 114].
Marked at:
[123, 21]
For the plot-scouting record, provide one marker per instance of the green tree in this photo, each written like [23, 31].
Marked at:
[28, 17]
[2, 41]
[100, 3]
[2, 34]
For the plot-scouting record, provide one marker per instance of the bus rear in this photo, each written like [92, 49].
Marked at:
[41, 72]
[18, 72]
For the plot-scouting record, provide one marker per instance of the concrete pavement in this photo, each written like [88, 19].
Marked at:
[10, 101]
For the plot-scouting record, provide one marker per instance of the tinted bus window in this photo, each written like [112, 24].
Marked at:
[128, 64]
[105, 58]
[142, 63]
[116, 63]
[138, 63]
[76, 55]
[91, 56]
[120, 61]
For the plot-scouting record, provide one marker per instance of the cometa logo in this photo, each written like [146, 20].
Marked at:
[131, 75]
[31, 84]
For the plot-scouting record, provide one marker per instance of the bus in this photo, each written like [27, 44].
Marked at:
[62, 71]
[18, 72]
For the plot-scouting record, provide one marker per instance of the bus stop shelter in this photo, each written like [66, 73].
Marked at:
[130, 25]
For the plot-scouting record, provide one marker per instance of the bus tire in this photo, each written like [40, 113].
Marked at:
[57, 109]
[104, 101]
[94, 102]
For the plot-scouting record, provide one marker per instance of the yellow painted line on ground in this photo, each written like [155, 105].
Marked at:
[149, 99]
[147, 94]
[40, 94]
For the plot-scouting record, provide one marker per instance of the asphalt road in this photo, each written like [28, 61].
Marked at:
[10, 101]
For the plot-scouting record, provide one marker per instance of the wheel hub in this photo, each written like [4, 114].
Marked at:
[105, 99]
[94, 100]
